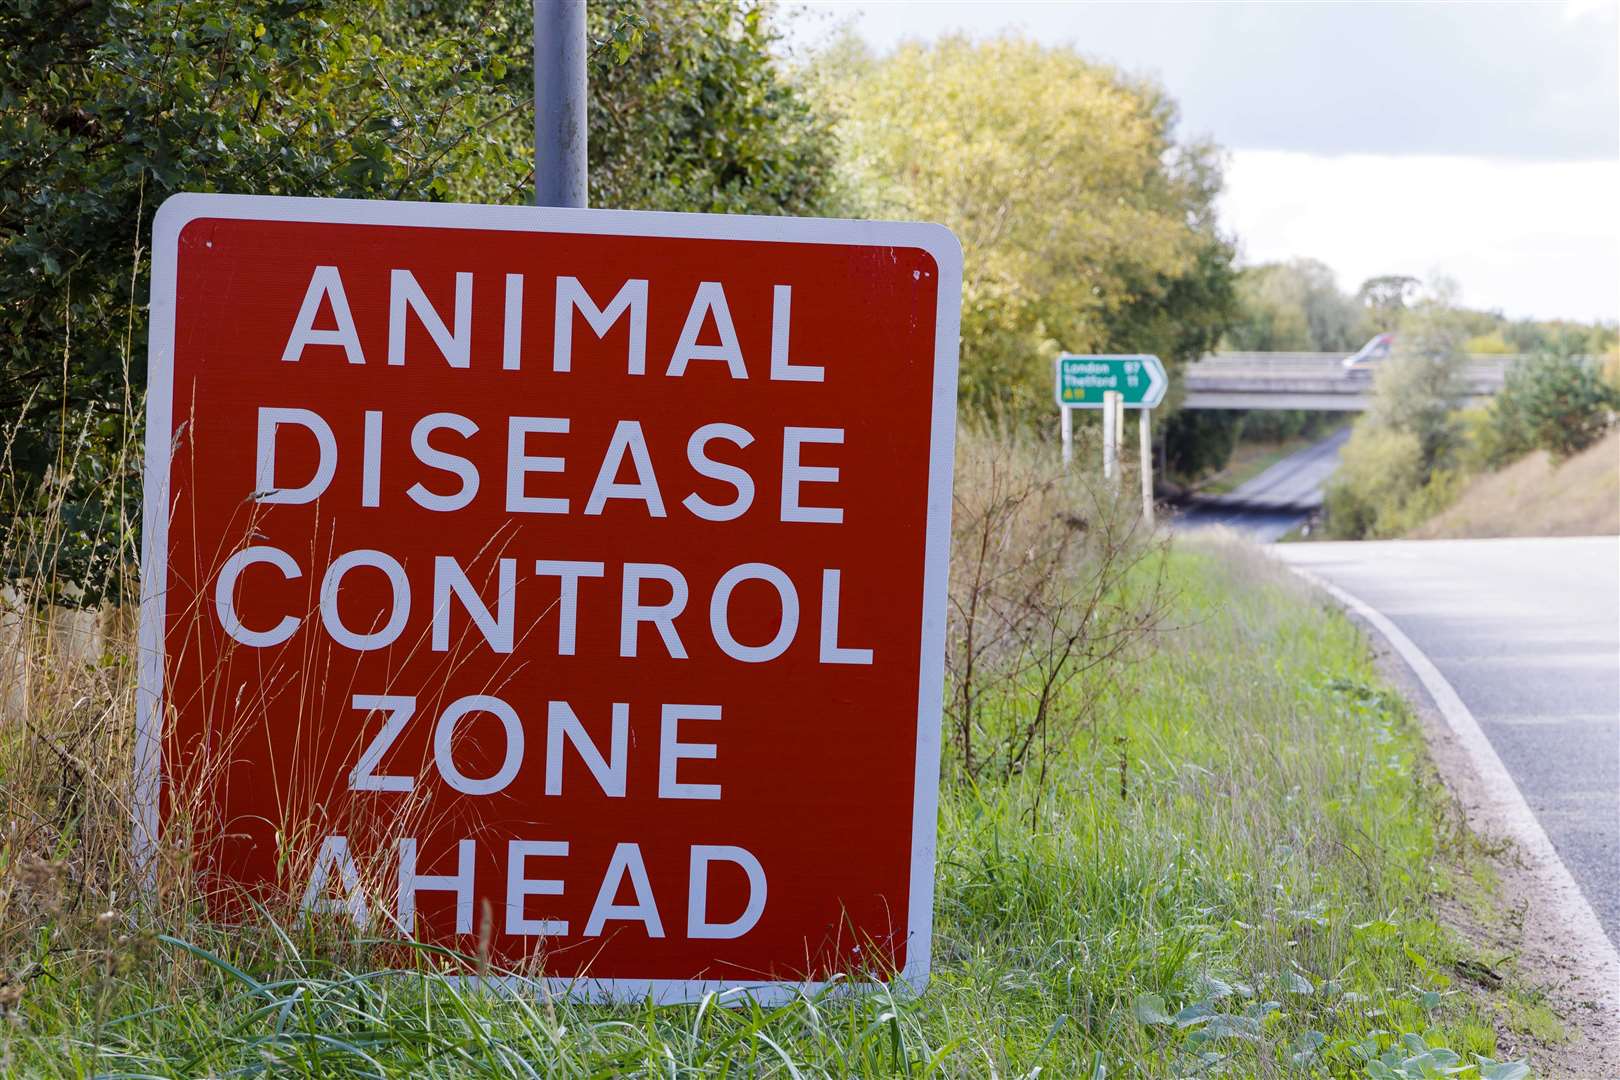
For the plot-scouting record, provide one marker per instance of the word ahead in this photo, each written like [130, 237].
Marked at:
[1082, 381]
[561, 587]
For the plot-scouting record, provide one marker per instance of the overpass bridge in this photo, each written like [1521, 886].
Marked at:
[1314, 381]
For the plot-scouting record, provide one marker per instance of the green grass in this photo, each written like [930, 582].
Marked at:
[1232, 875]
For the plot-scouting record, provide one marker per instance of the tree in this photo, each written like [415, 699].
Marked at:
[1555, 402]
[1085, 225]
[1386, 297]
[700, 115]
[109, 106]
[1380, 471]
[1295, 306]
[1200, 441]
[1419, 387]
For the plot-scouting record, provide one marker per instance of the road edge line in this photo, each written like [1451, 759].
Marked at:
[1497, 788]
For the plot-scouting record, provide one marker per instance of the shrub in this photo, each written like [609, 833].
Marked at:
[1278, 425]
[1418, 389]
[1054, 587]
[1493, 344]
[1487, 442]
[1382, 487]
[1609, 368]
[1551, 402]
[1376, 468]
[1200, 441]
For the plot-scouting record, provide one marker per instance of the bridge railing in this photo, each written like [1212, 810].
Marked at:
[1312, 380]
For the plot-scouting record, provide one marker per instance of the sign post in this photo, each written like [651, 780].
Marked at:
[1112, 384]
[1145, 462]
[1112, 411]
[562, 586]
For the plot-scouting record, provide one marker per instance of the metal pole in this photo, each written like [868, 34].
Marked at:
[1068, 433]
[559, 102]
[1145, 453]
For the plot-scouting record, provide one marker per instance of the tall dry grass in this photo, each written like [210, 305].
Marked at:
[1055, 584]
[1053, 589]
[1217, 847]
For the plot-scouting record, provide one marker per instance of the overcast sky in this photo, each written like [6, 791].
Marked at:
[1481, 141]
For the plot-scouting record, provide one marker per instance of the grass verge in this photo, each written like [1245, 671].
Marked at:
[1232, 871]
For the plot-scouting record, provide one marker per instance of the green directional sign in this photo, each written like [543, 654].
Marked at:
[1082, 380]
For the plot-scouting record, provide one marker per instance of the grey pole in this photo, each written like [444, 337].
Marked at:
[559, 102]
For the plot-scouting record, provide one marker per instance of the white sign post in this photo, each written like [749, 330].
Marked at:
[1068, 433]
[1112, 411]
[1145, 457]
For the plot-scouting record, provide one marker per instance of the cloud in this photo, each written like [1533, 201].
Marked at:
[1516, 80]
[1481, 141]
[1538, 239]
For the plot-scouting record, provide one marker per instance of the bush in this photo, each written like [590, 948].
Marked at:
[1055, 586]
[1279, 425]
[108, 107]
[1491, 344]
[1560, 404]
[1199, 441]
[1418, 389]
[1382, 487]
[1486, 443]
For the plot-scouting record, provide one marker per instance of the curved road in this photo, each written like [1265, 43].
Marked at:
[1528, 633]
[1278, 499]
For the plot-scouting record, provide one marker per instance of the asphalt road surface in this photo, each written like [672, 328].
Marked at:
[1528, 633]
[1277, 500]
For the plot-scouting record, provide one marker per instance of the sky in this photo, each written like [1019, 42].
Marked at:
[1479, 141]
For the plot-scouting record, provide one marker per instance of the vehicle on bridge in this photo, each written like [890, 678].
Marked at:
[1369, 355]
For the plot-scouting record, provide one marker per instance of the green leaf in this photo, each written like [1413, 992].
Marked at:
[1503, 1070]
[1194, 1014]
[1305, 1047]
[1149, 1009]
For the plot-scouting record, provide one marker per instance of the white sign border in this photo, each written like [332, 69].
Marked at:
[181, 209]
[1156, 375]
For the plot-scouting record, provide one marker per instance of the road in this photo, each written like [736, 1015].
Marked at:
[1528, 633]
[1277, 500]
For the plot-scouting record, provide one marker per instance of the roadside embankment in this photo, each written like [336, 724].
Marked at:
[1537, 496]
[1240, 857]
[1513, 675]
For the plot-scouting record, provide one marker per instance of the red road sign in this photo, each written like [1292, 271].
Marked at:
[567, 581]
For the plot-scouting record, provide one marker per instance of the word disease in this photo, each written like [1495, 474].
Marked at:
[557, 593]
